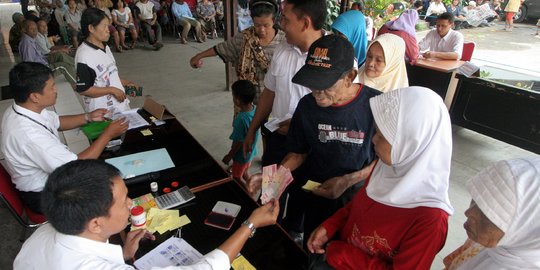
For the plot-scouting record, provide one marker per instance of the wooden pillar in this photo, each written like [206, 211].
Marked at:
[231, 27]
[344, 6]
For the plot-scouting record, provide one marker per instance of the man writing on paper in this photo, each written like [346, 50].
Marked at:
[86, 202]
[30, 141]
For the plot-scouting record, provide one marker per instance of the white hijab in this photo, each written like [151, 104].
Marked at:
[394, 75]
[416, 123]
[508, 193]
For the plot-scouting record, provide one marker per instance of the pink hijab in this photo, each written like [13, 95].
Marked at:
[406, 22]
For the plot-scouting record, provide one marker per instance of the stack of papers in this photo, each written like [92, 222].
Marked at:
[161, 221]
[274, 182]
[134, 118]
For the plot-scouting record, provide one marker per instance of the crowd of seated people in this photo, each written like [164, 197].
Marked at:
[391, 186]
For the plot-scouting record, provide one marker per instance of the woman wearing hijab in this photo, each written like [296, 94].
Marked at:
[384, 68]
[399, 220]
[404, 27]
[352, 26]
[502, 220]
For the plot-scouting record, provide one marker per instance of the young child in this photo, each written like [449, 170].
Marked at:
[243, 94]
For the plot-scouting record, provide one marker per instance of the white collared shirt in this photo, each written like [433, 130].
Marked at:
[287, 60]
[32, 151]
[49, 249]
[451, 42]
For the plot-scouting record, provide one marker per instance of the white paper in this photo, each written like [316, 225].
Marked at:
[173, 252]
[468, 69]
[134, 118]
[273, 124]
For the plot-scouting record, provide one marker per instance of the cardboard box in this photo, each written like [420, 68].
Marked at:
[159, 111]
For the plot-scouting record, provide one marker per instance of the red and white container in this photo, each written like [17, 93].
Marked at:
[138, 216]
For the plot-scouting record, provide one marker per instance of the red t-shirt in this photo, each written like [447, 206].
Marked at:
[377, 236]
[411, 46]
[192, 4]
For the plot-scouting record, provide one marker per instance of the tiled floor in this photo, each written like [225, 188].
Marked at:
[198, 99]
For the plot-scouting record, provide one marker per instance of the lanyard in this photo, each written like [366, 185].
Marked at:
[33, 120]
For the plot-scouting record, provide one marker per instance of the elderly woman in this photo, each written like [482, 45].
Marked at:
[252, 49]
[384, 68]
[15, 33]
[399, 219]
[206, 13]
[404, 27]
[352, 26]
[502, 221]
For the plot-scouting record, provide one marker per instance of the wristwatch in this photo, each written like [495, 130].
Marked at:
[250, 226]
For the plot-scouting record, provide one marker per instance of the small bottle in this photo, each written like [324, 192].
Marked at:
[154, 189]
[138, 216]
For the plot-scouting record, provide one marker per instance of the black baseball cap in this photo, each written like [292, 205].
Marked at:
[329, 57]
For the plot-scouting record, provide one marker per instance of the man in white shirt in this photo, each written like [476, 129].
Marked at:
[30, 140]
[302, 22]
[443, 42]
[86, 202]
[148, 18]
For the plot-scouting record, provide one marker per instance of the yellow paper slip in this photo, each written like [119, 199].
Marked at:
[173, 223]
[146, 132]
[240, 263]
[310, 185]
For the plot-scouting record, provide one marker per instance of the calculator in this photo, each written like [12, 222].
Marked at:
[175, 198]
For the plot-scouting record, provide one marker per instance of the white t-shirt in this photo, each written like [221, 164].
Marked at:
[43, 44]
[435, 8]
[122, 17]
[97, 67]
[32, 149]
[146, 10]
[287, 60]
[452, 42]
[49, 249]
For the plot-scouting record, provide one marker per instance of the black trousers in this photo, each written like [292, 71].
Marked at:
[32, 200]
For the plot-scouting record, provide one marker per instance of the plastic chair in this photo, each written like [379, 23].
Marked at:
[9, 196]
[468, 49]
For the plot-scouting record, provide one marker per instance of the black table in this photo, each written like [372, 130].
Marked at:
[500, 111]
[270, 248]
[194, 166]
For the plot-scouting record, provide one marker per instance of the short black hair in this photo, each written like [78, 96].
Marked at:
[360, 6]
[262, 8]
[115, 3]
[446, 16]
[418, 4]
[315, 9]
[77, 192]
[32, 15]
[26, 78]
[91, 16]
[244, 90]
